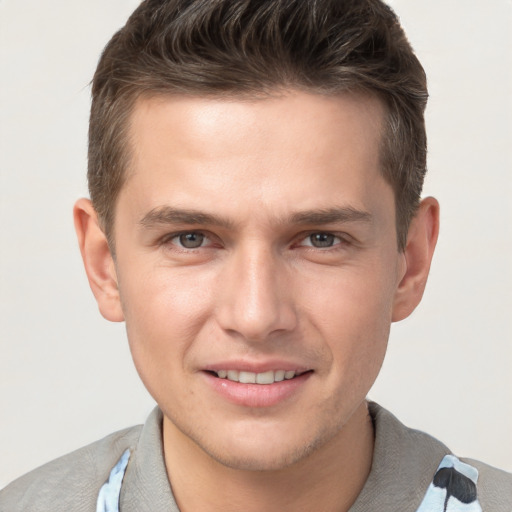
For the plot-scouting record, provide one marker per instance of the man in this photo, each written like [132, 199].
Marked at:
[255, 171]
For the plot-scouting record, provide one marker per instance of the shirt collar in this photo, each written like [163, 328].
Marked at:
[404, 462]
[145, 484]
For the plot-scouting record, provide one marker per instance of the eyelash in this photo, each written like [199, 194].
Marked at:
[340, 239]
[308, 237]
[172, 236]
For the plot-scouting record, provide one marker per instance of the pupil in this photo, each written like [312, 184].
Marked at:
[191, 240]
[322, 240]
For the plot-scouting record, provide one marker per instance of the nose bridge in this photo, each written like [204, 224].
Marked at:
[255, 299]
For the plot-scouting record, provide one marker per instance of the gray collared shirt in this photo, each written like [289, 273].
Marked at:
[404, 464]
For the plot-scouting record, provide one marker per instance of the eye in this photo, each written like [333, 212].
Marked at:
[321, 240]
[191, 240]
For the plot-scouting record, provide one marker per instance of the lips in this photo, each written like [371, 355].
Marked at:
[257, 386]
[247, 377]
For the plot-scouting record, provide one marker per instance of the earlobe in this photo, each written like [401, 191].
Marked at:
[98, 261]
[421, 242]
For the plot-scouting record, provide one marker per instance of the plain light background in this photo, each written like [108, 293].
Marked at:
[66, 377]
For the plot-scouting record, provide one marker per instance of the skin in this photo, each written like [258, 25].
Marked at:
[250, 183]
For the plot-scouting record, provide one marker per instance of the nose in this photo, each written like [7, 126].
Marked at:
[256, 300]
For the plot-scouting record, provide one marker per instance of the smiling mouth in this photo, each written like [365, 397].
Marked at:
[269, 377]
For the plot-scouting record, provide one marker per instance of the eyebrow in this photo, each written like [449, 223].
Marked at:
[332, 215]
[164, 215]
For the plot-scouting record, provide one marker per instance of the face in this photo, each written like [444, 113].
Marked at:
[257, 267]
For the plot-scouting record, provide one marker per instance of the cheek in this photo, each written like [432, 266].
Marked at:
[353, 298]
[351, 309]
[164, 311]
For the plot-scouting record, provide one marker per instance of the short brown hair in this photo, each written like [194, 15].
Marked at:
[252, 47]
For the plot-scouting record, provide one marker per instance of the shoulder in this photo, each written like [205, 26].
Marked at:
[70, 482]
[494, 486]
[414, 459]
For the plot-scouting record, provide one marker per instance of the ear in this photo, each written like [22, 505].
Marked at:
[98, 260]
[421, 242]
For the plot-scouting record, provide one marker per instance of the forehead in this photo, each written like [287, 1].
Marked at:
[232, 119]
[289, 151]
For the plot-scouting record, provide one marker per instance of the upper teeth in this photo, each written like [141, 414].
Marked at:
[256, 378]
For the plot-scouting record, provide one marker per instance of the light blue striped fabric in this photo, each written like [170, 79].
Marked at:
[108, 498]
[453, 488]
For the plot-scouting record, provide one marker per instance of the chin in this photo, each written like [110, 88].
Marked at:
[259, 461]
[264, 455]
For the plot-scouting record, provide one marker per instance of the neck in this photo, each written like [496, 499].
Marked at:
[329, 479]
